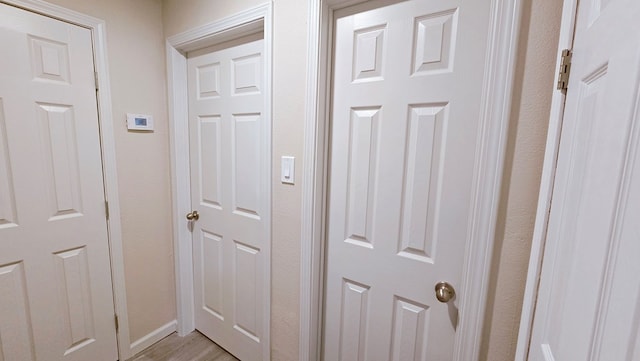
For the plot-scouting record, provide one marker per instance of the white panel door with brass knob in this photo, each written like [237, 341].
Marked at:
[230, 162]
[407, 89]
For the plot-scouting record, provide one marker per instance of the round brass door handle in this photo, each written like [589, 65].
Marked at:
[193, 216]
[445, 292]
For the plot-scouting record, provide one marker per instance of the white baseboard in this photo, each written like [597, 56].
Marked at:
[153, 337]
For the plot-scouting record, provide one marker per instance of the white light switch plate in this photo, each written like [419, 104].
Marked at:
[287, 175]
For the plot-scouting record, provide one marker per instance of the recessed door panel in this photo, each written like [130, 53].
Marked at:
[7, 199]
[16, 337]
[434, 42]
[362, 165]
[49, 60]
[212, 261]
[63, 177]
[246, 164]
[423, 159]
[246, 285]
[74, 287]
[210, 162]
[355, 313]
[410, 321]
[246, 74]
[208, 81]
[368, 52]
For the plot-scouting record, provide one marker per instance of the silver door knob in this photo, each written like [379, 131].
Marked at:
[193, 216]
[445, 292]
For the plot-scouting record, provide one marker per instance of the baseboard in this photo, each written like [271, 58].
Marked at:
[153, 337]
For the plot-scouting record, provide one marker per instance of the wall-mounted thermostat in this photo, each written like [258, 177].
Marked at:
[139, 122]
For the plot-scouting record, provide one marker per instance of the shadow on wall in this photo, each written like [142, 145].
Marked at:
[535, 72]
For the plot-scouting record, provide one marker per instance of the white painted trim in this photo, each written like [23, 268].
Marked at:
[181, 189]
[233, 27]
[313, 199]
[567, 28]
[107, 138]
[494, 123]
[154, 336]
[499, 73]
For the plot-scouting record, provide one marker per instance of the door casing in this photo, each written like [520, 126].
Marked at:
[233, 27]
[107, 140]
[496, 104]
[567, 29]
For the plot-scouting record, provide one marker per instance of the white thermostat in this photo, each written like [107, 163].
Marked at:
[139, 122]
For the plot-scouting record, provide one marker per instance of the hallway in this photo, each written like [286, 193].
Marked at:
[193, 347]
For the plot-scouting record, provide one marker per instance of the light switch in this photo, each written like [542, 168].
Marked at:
[288, 170]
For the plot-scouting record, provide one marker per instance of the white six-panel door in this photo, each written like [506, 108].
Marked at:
[407, 90]
[56, 299]
[229, 170]
[588, 306]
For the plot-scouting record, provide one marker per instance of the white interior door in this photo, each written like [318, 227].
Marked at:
[229, 188]
[56, 299]
[406, 96]
[588, 307]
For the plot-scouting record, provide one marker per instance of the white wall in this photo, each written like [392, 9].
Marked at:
[138, 85]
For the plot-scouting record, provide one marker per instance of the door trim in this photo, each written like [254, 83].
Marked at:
[567, 29]
[108, 146]
[233, 27]
[494, 122]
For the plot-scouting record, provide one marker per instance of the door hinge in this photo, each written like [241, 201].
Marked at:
[565, 70]
[95, 77]
[106, 209]
[117, 323]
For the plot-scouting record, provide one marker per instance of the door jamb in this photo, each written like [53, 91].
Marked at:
[107, 140]
[567, 29]
[233, 27]
[495, 112]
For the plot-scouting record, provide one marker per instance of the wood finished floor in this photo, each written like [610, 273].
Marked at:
[193, 347]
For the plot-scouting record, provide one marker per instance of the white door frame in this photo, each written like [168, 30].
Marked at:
[567, 29]
[108, 146]
[494, 122]
[233, 27]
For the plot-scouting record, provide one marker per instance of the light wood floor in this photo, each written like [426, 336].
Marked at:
[193, 347]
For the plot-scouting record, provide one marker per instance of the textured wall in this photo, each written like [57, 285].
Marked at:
[525, 152]
[138, 85]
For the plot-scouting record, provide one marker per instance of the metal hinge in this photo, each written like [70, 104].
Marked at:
[106, 209]
[95, 77]
[565, 70]
[117, 323]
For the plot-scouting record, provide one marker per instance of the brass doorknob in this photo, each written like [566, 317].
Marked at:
[445, 292]
[193, 216]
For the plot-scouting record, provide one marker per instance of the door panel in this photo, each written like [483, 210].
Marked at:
[403, 143]
[7, 198]
[229, 165]
[589, 287]
[57, 301]
[15, 322]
